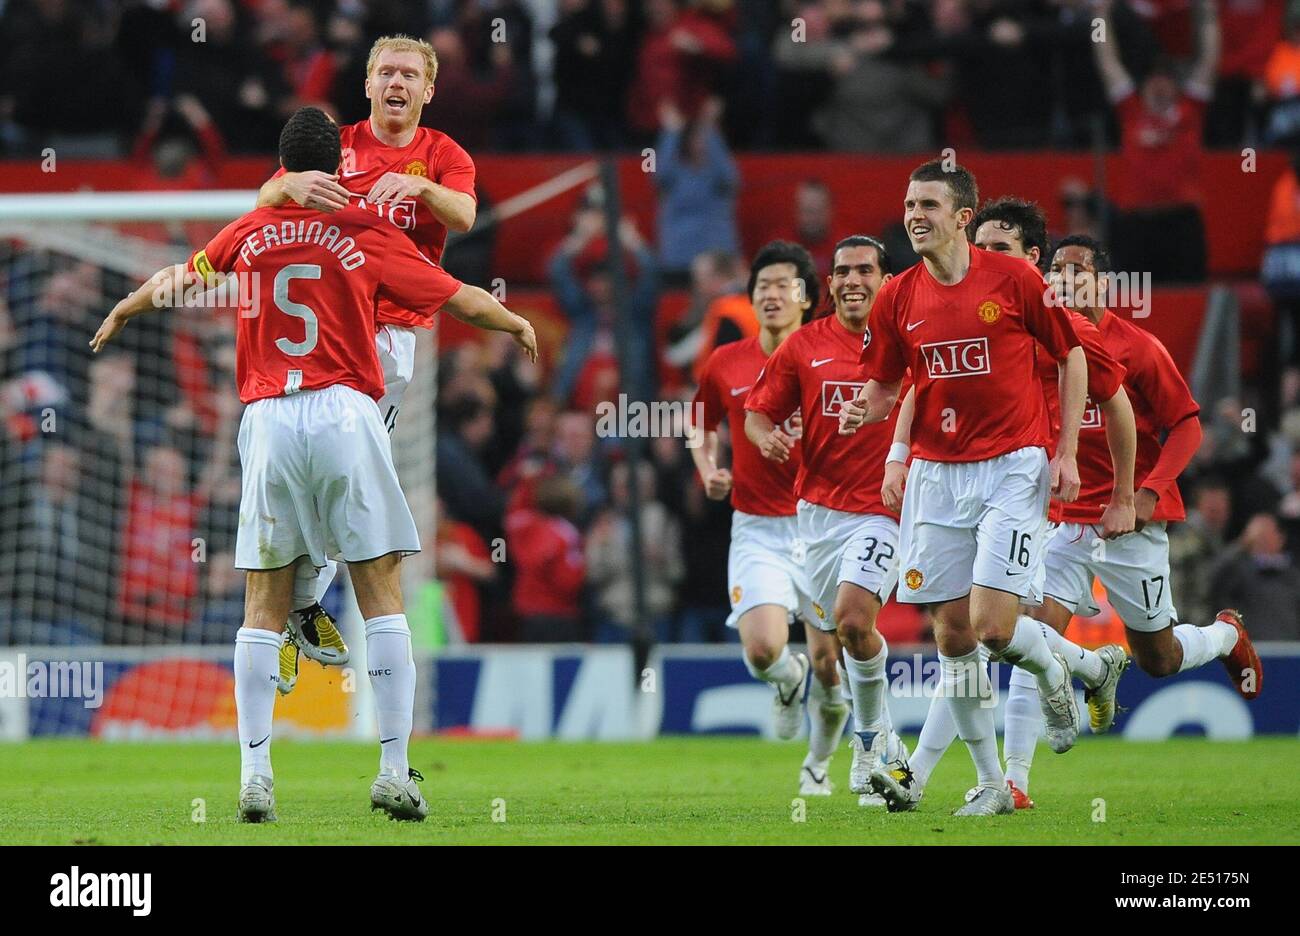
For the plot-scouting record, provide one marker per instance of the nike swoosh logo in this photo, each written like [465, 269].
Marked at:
[915, 324]
[259, 743]
[737, 391]
[1016, 572]
[348, 175]
[815, 778]
[414, 802]
[822, 361]
[386, 740]
[1152, 617]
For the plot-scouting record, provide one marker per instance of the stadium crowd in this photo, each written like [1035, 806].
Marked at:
[119, 483]
[855, 75]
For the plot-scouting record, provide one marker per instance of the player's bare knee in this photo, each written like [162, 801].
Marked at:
[855, 630]
[824, 661]
[762, 653]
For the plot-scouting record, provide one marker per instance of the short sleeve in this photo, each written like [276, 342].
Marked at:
[1046, 322]
[1105, 374]
[883, 356]
[455, 169]
[218, 255]
[776, 392]
[413, 281]
[708, 401]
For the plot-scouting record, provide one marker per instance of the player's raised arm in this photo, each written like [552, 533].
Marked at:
[1114, 76]
[312, 189]
[162, 290]
[478, 307]
[1121, 436]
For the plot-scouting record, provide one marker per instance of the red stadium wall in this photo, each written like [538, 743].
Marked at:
[868, 193]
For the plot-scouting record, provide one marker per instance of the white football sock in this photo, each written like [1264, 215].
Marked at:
[257, 670]
[937, 734]
[1085, 664]
[965, 684]
[392, 677]
[846, 689]
[821, 747]
[1023, 723]
[784, 672]
[325, 578]
[867, 679]
[1203, 644]
[1030, 650]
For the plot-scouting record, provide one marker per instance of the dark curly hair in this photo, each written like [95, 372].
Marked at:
[310, 140]
[1025, 217]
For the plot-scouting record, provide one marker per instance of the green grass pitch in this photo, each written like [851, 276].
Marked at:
[669, 791]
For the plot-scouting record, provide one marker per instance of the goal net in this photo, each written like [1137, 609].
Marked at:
[119, 483]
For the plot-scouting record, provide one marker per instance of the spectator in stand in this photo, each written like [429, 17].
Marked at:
[684, 59]
[813, 225]
[68, 545]
[223, 600]
[546, 552]
[590, 309]
[1160, 230]
[718, 300]
[489, 27]
[160, 573]
[77, 118]
[1258, 577]
[697, 181]
[1195, 546]
[1280, 268]
[595, 48]
[227, 59]
[1081, 209]
[1280, 87]
[877, 104]
[465, 564]
[465, 428]
[610, 559]
[1250, 31]
[295, 36]
[465, 105]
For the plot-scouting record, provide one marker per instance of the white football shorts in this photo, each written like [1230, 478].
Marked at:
[764, 565]
[396, 347]
[846, 547]
[973, 523]
[1134, 569]
[318, 481]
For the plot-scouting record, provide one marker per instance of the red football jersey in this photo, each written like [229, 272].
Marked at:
[1105, 375]
[308, 287]
[816, 370]
[970, 348]
[759, 486]
[1160, 400]
[431, 154]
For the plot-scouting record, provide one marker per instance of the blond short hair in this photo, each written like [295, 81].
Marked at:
[401, 43]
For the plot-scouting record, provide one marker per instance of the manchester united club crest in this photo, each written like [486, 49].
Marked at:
[821, 615]
[735, 595]
[416, 167]
[914, 579]
[989, 312]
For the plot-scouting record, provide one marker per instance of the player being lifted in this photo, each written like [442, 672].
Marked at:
[974, 516]
[422, 183]
[1018, 228]
[318, 476]
[766, 581]
[1135, 568]
[850, 539]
